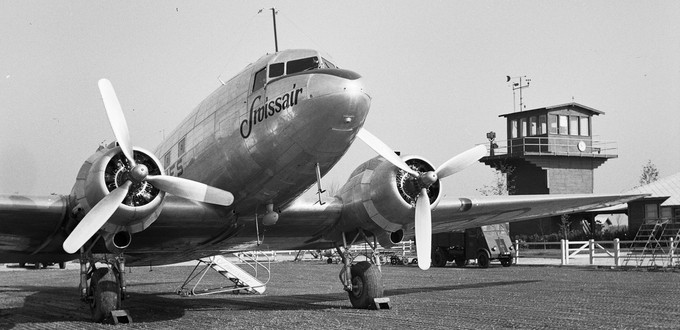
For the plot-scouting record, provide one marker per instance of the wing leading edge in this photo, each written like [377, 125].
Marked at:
[461, 213]
[31, 228]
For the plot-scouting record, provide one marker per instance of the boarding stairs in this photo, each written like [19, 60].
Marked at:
[655, 245]
[240, 280]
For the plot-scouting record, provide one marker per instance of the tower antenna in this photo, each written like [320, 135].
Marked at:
[516, 86]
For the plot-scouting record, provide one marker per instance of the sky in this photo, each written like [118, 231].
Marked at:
[435, 71]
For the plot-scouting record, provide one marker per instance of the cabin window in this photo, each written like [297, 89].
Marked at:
[327, 64]
[553, 124]
[533, 129]
[513, 128]
[276, 70]
[181, 147]
[523, 126]
[260, 79]
[166, 159]
[542, 125]
[564, 125]
[585, 126]
[302, 64]
[573, 125]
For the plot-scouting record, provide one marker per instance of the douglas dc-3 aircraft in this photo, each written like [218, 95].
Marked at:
[230, 173]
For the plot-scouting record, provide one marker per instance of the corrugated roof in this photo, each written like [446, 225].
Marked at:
[668, 186]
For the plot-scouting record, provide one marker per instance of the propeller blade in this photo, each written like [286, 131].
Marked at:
[384, 150]
[423, 230]
[461, 161]
[116, 118]
[191, 189]
[95, 219]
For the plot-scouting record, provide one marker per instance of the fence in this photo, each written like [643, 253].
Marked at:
[597, 250]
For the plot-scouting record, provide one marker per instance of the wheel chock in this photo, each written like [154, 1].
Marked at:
[380, 303]
[121, 316]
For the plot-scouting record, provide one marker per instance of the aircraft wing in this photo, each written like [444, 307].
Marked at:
[30, 226]
[461, 213]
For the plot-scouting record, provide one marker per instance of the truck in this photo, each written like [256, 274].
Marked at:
[484, 244]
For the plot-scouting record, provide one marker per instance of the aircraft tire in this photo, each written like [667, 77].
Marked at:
[506, 262]
[62, 265]
[366, 284]
[105, 291]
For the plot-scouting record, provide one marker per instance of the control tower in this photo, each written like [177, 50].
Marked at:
[549, 150]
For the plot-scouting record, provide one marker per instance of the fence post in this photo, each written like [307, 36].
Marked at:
[671, 253]
[617, 252]
[516, 251]
[591, 250]
[563, 253]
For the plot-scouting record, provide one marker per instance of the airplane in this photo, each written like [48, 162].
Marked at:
[231, 173]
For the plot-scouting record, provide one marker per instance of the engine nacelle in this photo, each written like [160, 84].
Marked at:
[103, 172]
[380, 198]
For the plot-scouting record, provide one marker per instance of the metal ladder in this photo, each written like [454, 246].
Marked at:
[240, 279]
[655, 252]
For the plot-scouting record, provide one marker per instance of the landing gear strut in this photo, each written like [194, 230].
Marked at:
[362, 280]
[103, 288]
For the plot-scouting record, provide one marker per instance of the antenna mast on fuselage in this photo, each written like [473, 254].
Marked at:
[276, 41]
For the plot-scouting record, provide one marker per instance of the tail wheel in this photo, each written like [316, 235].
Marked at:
[366, 284]
[106, 294]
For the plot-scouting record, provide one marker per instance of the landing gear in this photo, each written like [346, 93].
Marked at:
[362, 280]
[105, 293]
[103, 288]
[366, 284]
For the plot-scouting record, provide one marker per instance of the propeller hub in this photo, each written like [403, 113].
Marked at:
[428, 178]
[139, 173]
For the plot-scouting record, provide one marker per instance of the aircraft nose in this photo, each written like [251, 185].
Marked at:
[344, 94]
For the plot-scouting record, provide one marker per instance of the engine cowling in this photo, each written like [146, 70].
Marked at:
[103, 172]
[381, 198]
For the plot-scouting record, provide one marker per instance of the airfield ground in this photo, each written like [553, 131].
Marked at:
[308, 295]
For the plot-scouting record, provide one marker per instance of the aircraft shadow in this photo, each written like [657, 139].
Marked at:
[62, 304]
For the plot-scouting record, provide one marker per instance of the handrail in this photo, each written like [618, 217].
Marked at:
[555, 145]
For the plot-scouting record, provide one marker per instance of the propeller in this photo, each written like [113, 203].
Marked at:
[107, 206]
[423, 218]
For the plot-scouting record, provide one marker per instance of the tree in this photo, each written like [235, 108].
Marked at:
[503, 183]
[649, 174]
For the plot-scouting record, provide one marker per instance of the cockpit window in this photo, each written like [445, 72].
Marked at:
[303, 64]
[327, 64]
[276, 70]
[260, 79]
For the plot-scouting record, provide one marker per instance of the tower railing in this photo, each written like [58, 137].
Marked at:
[555, 146]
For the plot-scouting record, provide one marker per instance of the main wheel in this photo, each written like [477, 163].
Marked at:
[62, 265]
[506, 262]
[106, 294]
[366, 284]
[483, 259]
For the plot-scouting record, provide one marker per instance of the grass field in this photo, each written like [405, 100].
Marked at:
[308, 295]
